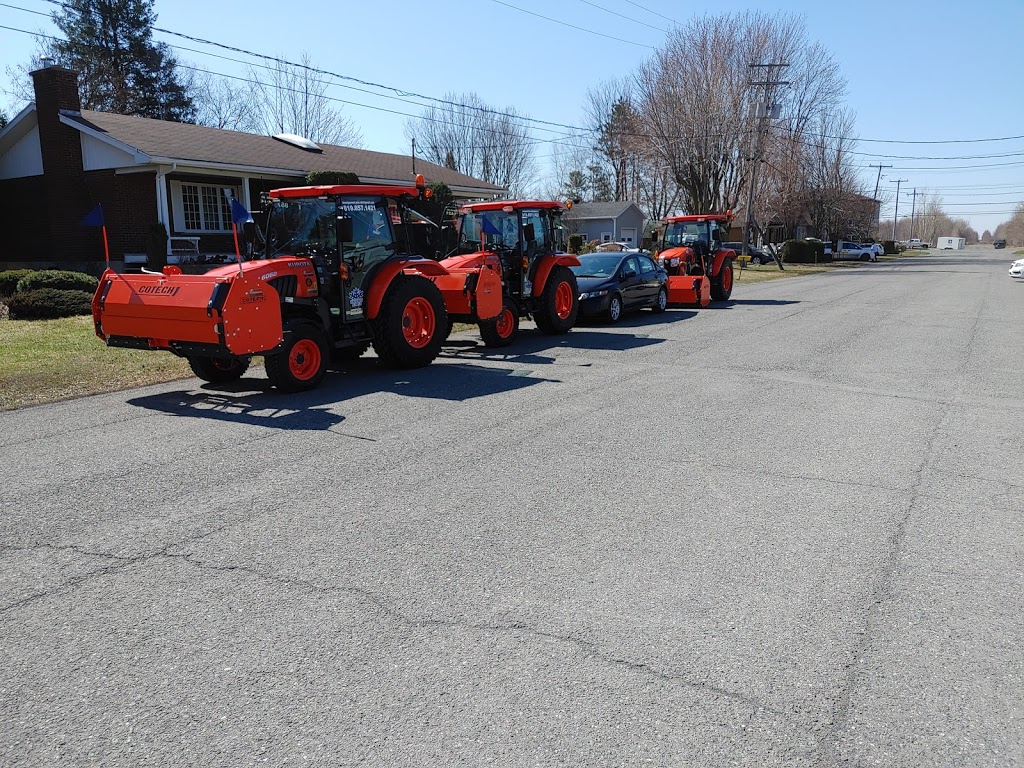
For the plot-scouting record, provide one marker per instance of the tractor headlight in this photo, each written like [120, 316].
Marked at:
[593, 294]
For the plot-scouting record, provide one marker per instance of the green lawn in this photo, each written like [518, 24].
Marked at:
[46, 360]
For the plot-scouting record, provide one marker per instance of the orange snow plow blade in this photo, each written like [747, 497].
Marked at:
[233, 314]
[693, 290]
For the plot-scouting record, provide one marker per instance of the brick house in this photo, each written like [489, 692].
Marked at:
[57, 161]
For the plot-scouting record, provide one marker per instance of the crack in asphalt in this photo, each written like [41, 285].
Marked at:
[121, 563]
[827, 753]
[757, 707]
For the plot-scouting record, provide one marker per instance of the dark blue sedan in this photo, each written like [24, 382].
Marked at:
[613, 283]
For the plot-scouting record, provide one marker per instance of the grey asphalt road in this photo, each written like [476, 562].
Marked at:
[784, 532]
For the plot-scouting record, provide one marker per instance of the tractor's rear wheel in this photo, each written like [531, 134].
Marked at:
[218, 370]
[301, 362]
[411, 324]
[721, 285]
[559, 303]
[503, 330]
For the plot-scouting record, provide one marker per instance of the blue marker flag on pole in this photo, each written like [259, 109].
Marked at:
[238, 213]
[488, 227]
[94, 218]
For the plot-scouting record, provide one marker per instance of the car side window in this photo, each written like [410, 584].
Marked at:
[647, 266]
[631, 266]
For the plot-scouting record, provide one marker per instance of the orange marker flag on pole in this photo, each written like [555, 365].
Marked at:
[95, 219]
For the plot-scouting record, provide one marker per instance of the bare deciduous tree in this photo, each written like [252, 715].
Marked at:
[293, 99]
[224, 103]
[477, 140]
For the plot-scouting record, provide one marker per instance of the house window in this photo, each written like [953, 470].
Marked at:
[201, 207]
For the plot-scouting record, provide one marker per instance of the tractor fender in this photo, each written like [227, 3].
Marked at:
[386, 273]
[544, 267]
[720, 257]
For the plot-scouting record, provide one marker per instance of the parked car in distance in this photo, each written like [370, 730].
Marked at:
[915, 243]
[1017, 269]
[877, 249]
[757, 255]
[1000, 243]
[828, 246]
[847, 249]
[613, 283]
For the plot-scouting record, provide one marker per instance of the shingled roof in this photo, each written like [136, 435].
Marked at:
[183, 142]
[585, 211]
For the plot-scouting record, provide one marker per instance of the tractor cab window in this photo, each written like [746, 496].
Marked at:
[716, 235]
[489, 230]
[302, 227]
[368, 236]
[680, 233]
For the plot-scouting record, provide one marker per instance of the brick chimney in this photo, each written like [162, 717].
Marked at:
[67, 197]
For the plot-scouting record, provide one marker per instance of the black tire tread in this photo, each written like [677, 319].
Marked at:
[388, 341]
[547, 320]
[207, 369]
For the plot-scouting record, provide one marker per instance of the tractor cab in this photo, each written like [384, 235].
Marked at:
[699, 267]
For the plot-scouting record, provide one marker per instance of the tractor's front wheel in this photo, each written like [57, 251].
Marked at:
[501, 331]
[721, 285]
[559, 303]
[410, 327]
[301, 361]
[218, 370]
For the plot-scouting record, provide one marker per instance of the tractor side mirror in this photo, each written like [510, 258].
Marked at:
[249, 231]
[528, 232]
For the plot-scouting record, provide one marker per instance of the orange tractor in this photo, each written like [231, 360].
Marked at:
[516, 240]
[699, 268]
[338, 275]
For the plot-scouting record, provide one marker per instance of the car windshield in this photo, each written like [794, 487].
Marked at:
[597, 265]
[302, 226]
[489, 229]
[685, 232]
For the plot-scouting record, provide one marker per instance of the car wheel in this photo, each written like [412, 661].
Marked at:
[615, 309]
[755, 260]
[662, 301]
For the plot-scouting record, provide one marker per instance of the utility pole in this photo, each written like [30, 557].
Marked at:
[767, 111]
[896, 213]
[414, 156]
[913, 208]
[879, 179]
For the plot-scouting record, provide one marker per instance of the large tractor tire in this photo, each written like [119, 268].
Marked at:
[503, 330]
[721, 284]
[218, 370]
[301, 362]
[411, 324]
[559, 303]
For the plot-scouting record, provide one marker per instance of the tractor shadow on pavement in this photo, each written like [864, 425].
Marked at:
[252, 401]
[531, 343]
[751, 303]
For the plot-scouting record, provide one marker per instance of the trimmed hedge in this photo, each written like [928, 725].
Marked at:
[58, 279]
[805, 252]
[575, 243]
[49, 303]
[9, 280]
[331, 178]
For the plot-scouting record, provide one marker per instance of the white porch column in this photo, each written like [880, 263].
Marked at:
[162, 209]
[245, 194]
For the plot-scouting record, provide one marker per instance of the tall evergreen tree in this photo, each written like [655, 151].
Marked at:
[122, 69]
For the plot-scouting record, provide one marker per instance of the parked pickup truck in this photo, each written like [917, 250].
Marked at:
[847, 249]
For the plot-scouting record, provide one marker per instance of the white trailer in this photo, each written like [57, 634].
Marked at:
[951, 243]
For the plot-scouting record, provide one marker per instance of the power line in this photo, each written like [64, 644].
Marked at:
[621, 15]
[460, 105]
[572, 26]
[655, 13]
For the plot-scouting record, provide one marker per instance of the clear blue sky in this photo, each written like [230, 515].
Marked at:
[917, 70]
